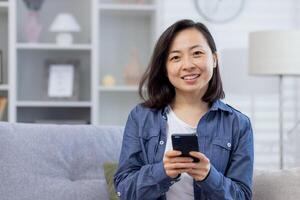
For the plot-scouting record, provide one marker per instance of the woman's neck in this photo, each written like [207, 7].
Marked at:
[190, 109]
[193, 101]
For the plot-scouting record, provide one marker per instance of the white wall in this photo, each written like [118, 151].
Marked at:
[257, 15]
[297, 13]
[255, 96]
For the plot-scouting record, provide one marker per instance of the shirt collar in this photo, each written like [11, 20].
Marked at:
[219, 105]
[216, 105]
[165, 111]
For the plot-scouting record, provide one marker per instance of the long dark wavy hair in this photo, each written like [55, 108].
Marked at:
[159, 91]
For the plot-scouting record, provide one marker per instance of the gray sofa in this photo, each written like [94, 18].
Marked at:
[64, 162]
[56, 162]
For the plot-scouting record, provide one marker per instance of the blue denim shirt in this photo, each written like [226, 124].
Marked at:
[225, 137]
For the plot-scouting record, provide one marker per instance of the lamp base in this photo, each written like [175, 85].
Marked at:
[64, 39]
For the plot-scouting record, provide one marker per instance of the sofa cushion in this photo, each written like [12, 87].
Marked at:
[58, 162]
[109, 171]
[276, 184]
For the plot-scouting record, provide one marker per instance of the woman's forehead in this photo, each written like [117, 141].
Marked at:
[187, 39]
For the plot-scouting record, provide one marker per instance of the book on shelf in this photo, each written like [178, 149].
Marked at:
[3, 105]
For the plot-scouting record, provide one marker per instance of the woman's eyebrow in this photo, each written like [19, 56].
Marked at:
[192, 47]
[195, 46]
[174, 51]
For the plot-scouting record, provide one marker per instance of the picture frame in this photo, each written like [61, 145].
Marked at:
[1, 66]
[62, 79]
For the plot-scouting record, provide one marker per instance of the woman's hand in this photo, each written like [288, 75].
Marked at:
[175, 165]
[201, 169]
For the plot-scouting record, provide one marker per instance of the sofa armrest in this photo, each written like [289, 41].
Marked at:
[276, 184]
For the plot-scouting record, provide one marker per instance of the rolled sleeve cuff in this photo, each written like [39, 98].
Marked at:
[159, 173]
[160, 176]
[212, 181]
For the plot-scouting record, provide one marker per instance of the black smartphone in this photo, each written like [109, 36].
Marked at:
[185, 143]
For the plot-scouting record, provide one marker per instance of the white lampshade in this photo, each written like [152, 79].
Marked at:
[64, 22]
[274, 52]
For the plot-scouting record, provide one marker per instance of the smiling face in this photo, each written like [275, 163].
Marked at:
[190, 63]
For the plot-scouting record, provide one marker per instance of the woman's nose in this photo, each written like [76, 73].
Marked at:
[187, 63]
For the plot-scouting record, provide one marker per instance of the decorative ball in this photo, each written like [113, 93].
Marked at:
[108, 80]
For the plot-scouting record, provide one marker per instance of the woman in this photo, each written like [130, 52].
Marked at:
[183, 95]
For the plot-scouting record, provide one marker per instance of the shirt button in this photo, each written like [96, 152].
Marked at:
[118, 194]
[228, 145]
[161, 142]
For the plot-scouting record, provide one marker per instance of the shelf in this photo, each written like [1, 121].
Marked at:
[54, 104]
[49, 46]
[127, 7]
[118, 88]
[53, 115]
[110, 32]
[3, 6]
[4, 87]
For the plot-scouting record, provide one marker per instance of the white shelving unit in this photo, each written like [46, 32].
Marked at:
[110, 31]
[133, 27]
[31, 102]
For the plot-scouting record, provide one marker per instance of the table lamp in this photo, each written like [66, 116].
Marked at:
[64, 24]
[275, 53]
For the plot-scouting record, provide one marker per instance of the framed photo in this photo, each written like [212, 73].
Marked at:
[62, 79]
[1, 67]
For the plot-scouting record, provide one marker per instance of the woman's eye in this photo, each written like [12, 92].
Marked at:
[175, 58]
[197, 53]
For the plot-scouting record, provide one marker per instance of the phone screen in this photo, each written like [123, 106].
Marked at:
[185, 143]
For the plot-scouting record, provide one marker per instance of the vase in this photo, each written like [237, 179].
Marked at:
[132, 72]
[32, 27]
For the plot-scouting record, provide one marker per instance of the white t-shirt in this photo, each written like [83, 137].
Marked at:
[182, 189]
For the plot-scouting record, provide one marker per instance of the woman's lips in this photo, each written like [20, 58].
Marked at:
[190, 77]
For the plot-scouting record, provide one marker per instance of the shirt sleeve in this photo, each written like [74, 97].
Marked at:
[135, 179]
[237, 181]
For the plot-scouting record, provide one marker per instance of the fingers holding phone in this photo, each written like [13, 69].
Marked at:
[174, 164]
[188, 145]
[201, 169]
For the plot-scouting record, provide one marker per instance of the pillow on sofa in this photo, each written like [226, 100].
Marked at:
[276, 184]
[109, 171]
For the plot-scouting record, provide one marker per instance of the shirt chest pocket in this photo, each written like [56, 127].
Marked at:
[150, 143]
[221, 150]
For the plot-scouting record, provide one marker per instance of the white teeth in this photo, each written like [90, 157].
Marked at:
[190, 77]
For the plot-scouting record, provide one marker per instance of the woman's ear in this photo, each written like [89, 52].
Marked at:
[215, 58]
